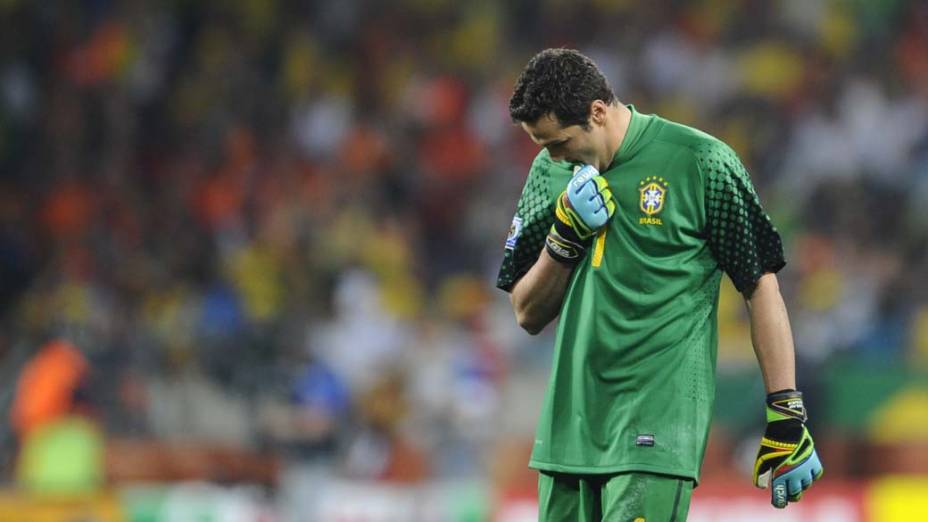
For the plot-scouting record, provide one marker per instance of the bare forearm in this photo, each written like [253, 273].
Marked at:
[771, 335]
[537, 296]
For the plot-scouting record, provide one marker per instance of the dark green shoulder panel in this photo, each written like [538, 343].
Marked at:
[741, 235]
[534, 216]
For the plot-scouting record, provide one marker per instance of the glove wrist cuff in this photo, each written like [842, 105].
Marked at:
[786, 404]
[565, 250]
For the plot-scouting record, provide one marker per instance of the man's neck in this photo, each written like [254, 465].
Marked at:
[622, 117]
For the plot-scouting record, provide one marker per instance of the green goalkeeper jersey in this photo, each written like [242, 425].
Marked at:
[632, 383]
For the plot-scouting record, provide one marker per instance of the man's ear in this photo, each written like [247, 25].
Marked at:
[598, 112]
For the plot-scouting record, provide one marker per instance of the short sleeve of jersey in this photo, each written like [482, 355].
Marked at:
[741, 235]
[533, 218]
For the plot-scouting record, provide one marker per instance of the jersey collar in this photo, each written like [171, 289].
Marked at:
[634, 136]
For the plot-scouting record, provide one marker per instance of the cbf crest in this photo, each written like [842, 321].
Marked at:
[653, 190]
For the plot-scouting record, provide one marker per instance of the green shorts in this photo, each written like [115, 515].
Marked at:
[621, 497]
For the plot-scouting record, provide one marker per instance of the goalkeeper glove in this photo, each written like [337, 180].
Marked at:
[582, 209]
[787, 454]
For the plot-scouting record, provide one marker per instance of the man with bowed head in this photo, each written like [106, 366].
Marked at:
[623, 230]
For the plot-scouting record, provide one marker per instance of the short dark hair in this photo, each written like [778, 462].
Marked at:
[562, 81]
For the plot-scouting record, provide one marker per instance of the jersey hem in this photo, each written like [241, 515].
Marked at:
[747, 290]
[593, 470]
[507, 288]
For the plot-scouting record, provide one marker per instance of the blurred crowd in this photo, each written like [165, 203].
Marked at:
[277, 224]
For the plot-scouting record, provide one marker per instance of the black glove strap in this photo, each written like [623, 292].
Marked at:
[788, 402]
[562, 250]
[564, 245]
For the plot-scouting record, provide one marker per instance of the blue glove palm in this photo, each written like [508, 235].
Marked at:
[587, 203]
[582, 209]
[787, 453]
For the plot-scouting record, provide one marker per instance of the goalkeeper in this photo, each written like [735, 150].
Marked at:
[624, 227]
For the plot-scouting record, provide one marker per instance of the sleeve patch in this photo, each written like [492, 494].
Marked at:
[514, 231]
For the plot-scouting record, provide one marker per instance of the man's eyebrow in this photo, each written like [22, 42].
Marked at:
[554, 142]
